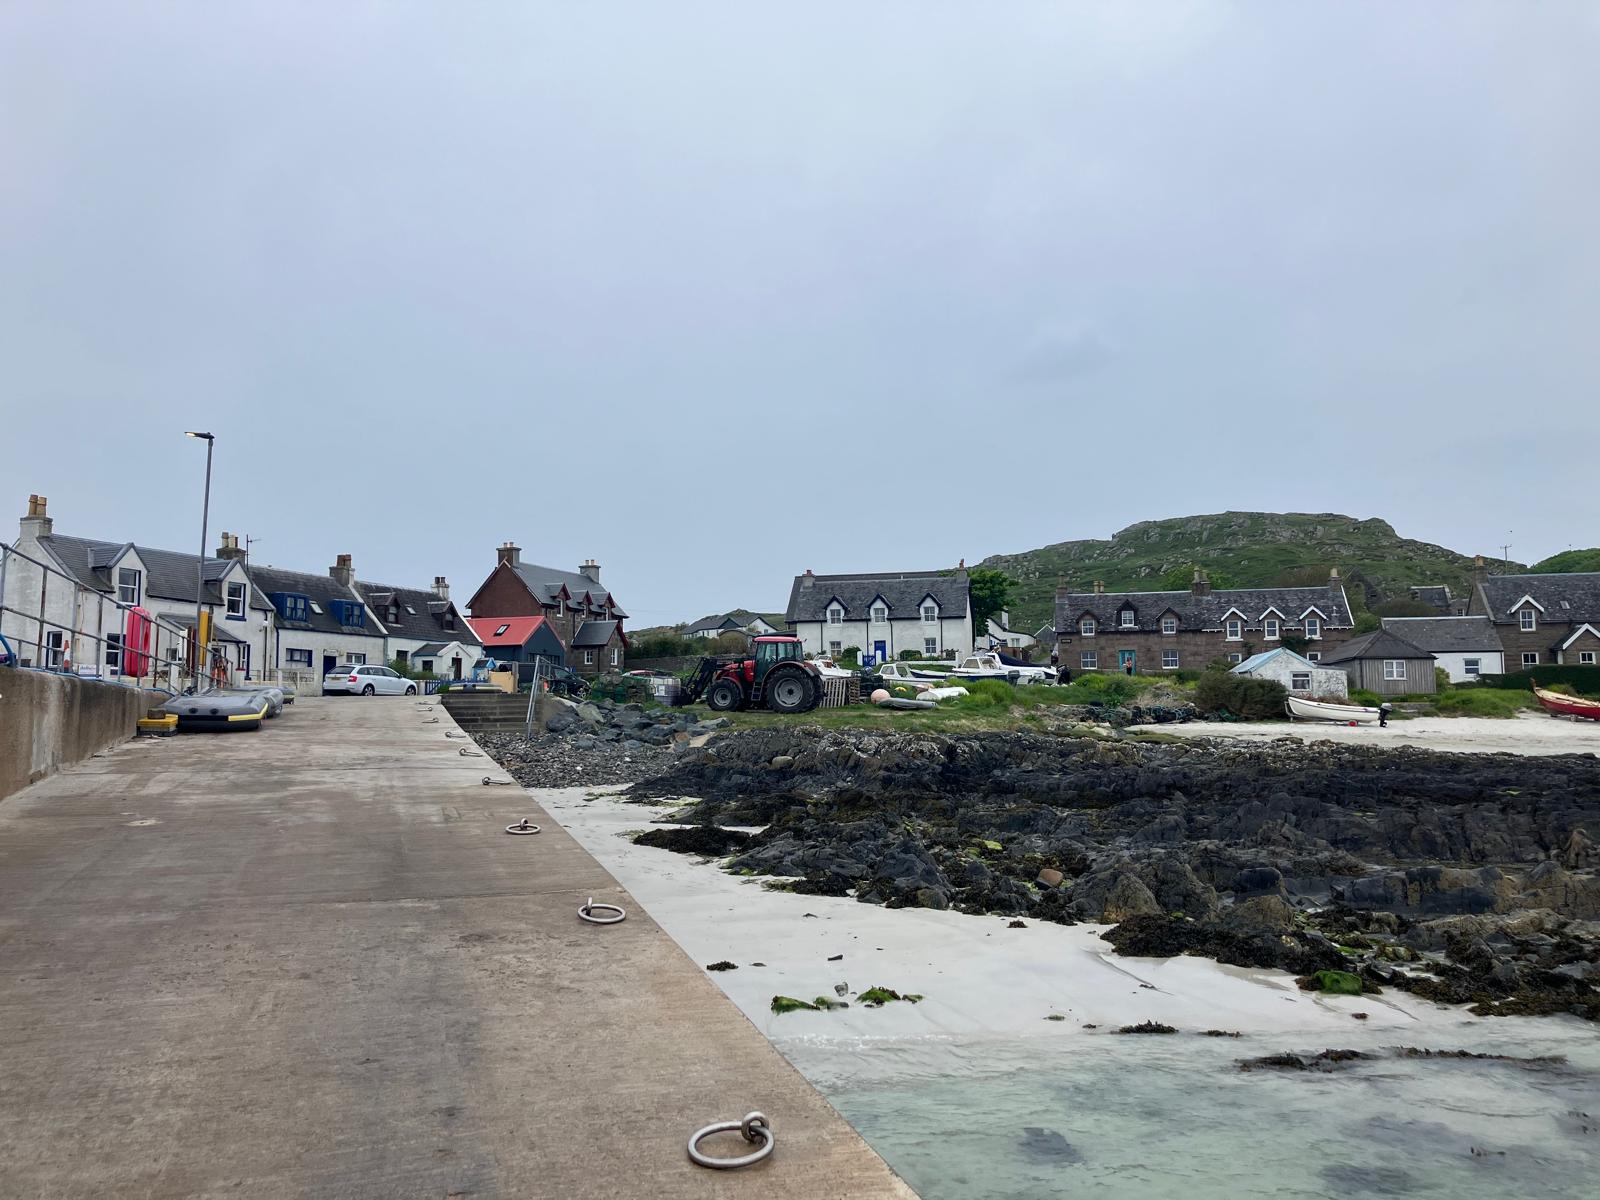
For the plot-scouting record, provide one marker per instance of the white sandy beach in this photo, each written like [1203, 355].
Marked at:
[1529, 733]
[974, 1094]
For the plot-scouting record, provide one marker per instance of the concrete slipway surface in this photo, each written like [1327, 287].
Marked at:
[309, 962]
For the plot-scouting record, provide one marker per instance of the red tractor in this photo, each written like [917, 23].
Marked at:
[776, 676]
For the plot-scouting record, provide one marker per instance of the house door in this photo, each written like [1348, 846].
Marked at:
[329, 662]
[881, 650]
[1127, 661]
[455, 667]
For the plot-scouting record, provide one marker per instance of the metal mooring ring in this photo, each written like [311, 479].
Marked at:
[522, 826]
[489, 781]
[754, 1128]
[591, 907]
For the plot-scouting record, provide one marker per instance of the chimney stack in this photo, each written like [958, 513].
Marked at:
[1333, 576]
[37, 523]
[962, 565]
[1063, 590]
[343, 571]
[509, 553]
[1099, 587]
[590, 570]
[807, 579]
[230, 546]
[1200, 585]
[441, 588]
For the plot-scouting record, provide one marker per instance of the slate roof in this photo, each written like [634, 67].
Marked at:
[1438, 596]
[322, 590]
[594, 633]
[1570, 598]
[421, 612]
[902, 592]
[430, 647]
[518, 629]
[168, 574]
[1380, 644]
[737, 619]
[546, 583]
[1205, 612]
[1447, 635]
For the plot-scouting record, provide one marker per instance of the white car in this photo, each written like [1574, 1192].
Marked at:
[356, 680]
[989, 666]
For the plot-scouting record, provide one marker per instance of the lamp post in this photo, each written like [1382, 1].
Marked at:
[200, 564]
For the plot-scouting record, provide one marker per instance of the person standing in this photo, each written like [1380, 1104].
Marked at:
[1383, 714]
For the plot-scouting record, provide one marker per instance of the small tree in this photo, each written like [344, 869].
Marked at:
[991, 595]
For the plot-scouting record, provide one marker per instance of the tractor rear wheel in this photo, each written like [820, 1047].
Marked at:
[789, 691]
[724, 695]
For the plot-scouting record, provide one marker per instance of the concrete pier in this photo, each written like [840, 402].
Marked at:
[309, 962]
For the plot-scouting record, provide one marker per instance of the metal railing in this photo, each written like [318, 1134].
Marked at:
[48, 618]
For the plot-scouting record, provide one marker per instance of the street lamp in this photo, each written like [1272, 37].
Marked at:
[200, 565]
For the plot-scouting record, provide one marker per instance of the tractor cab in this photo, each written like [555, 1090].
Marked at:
[772, 650]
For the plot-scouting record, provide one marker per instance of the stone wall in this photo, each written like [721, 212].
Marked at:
[51, 721]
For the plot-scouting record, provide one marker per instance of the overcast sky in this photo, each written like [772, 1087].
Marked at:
[716, 293]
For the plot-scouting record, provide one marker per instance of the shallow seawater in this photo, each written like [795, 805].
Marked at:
[1106, 1115]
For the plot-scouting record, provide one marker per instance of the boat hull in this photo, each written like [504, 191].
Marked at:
[1344, 714]
[1568, 706]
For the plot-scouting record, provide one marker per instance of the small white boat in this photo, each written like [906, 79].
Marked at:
[1346, 714]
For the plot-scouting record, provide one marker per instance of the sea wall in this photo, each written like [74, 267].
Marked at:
[51, 721]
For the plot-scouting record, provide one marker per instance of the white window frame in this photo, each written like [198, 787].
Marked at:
[1169, 660]
[880, 614]
[1530, 658]
[588, 658]
[1270, 629]
[835, 648]
[616, 655]
[128, 593]
[1586, 658]
[1314, 656]
[1234, 631]
[1394, 670]
[1294, 681]
[930, 646]
[1127, 619]
[1169, 625]
[55, 649]
[1528, 620]
[358, 659]
[1089, 660]
[1313, 628]
[236, 610]
[835, 615]
[1088, 627]
[1471, 666]
[930, 612]
[1235, 657]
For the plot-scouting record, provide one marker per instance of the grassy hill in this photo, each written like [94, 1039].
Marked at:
[1241, 549]
[1569, 561]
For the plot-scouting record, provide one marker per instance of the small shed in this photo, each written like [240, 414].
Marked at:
[1298, 674]
[1385, 663]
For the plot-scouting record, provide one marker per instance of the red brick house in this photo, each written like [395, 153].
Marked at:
[1152, 632]
[584, 616]
[1542, 619]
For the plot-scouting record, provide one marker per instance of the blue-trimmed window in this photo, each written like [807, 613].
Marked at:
[292, 606]
[348, 613]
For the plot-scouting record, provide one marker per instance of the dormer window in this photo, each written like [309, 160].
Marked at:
[1169, 624]
[1269, 629]
[1127, 618]
[128, 585]
[1087, 627]
[1235, 631]
[1313, 628]
[880, 614]
[449, 619]
[1529, 619]
[835, 615]
[930, 611]
[392, 614]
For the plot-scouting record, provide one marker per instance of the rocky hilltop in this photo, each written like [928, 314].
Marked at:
[1244, 549]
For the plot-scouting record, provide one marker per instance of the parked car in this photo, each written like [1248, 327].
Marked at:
[356, 680]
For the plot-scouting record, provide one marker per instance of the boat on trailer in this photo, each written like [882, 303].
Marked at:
[1321, 710]
[1556, 704]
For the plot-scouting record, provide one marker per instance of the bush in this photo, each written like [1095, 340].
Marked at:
[910, 655]
[1585, 679]
[986, 694]
[1252, 699]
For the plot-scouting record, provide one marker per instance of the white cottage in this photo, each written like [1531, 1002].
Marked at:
[928, 613]
[1298, 674]
[1466, 647]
